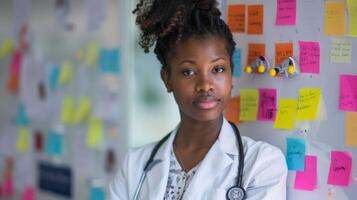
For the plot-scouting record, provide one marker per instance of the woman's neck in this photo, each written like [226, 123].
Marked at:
[194, 135]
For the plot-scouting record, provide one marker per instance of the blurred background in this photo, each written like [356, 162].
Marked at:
[76, 91]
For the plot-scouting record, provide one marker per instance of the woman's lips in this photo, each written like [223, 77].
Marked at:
[206, 102]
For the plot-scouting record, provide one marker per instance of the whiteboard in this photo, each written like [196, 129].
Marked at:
[321, 136]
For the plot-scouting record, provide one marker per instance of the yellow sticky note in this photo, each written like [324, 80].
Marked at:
[249, 100]
[335, 18]
[67, 110]
[92, 53]
[6, 47]
[352, 17]
[341, 51]
[23, 140]
[66, 74]
[95, 133]
[308, 103]
[351, 129]
[286, 114]
[83, 110]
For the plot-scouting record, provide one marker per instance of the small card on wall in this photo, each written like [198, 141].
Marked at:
[340, 168]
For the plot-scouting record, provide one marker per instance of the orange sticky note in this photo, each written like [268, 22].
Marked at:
[232, 110]
[282, 51]
[335, 18]
[12, 85]
[351, 129]
[255, 50]
[236, 18]
[255, 19]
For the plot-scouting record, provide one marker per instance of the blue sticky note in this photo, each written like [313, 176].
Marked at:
[53, 77]
[237, 62]
[54, 144]
[109, 60]
[21, 116]
[96, 193]
[295, 154]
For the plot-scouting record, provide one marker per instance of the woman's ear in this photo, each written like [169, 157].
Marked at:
[165, 77]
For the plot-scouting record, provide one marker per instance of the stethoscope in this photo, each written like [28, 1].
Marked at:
[235, 192]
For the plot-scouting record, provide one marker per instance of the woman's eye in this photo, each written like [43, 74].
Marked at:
[219, 69]
[188, 72]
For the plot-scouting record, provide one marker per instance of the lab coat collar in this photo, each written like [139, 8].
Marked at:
[227, 139]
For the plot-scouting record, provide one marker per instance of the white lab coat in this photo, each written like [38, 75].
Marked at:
[264, 176]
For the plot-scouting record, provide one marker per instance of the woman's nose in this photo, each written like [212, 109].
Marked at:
[204, 83]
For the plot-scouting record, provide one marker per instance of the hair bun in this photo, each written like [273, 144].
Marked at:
[208, 6]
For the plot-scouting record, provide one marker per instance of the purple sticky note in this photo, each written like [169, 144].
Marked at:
[309, 57]
[267, 104]
[285, 12]
[348, 93]
[29, 193]
[307, 179]
[340, 168]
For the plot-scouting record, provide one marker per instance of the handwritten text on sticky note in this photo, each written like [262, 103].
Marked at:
[249, 100]
[282, 51]
[286, 12]
[286, 114]
[255, 19]
[295, 154]
[334, 18]
[307, 179]
[308, 104]
[341, 51]
[267, 104]
[340, 168]
[309, 57]
[236, 18]
[255, 50]
[348, 93]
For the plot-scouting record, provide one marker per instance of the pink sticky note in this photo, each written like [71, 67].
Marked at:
[309, 57]
[348, 93]
[286, 12]
[307, 179]
[340, 168]
[7, 187]
[267, 104]
[16, 62]
[29, 193]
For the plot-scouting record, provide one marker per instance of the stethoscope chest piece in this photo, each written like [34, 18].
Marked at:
[235, 193]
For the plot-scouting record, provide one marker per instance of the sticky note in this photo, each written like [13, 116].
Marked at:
[16, 62]
[255, 19]
[352, 17]
[237, 62]
[249, 100]
[295, 154]
[286, 114]
[66, 72]
[340, 168]
[351, 129]
[96, 193]
[348, 93]
[283, 51]
[12, 84]
[92, 52]
[6, 47]
[83, 110]
[54, 77]
[109, 60]
[255, 50]
[67, 116]
[286, 12]
[54, 143]
[334, 18]
[308, 103]
[23, 140]
[307, 179]
[232, 110]
[267, 104]
[309, 57]
[95, 133]
[341, 51]
[236, 18]
[21, 116]
[29, 193]
[8, 188]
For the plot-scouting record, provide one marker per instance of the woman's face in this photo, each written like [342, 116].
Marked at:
[200, 77]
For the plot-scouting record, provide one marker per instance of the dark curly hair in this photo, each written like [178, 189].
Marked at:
[167, 22]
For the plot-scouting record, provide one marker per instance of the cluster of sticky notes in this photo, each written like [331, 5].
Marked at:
[109, 60]
[96, 193]
[95, 133]
[237, 18]
[348, 93]
[6, 47]
[237, 62]
[54, 143]
[341, 51]
[23, 140]
[286, 12]
[71, 115]
[309, 57]
[21, 116]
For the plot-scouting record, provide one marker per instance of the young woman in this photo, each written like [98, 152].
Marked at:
[204, 157]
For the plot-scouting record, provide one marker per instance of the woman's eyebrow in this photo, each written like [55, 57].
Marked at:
[217, 59]
[193, 62]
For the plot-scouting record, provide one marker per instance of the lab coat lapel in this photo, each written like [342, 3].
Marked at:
[215, 162]
[158, 175]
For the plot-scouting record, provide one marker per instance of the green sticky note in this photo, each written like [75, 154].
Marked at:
[249, 100]
[95, 133]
